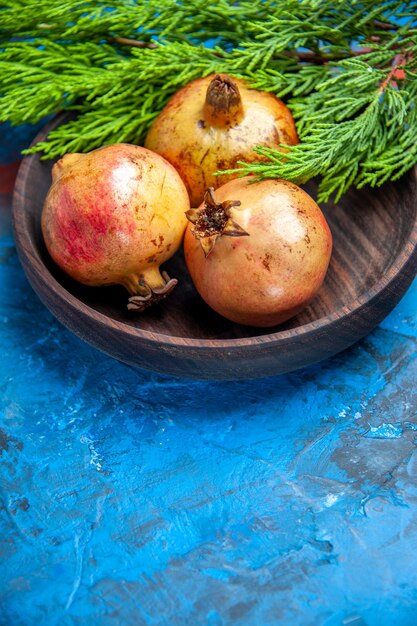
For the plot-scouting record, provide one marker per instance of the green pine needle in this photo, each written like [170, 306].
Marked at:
[348, 72]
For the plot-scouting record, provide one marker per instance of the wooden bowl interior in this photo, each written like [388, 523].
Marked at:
[362, 252]
[369, 227]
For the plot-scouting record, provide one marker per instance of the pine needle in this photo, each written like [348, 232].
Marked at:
[348, 72]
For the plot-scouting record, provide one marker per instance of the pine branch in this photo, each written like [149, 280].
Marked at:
[367, 139]
[93, 20]
[347, 70]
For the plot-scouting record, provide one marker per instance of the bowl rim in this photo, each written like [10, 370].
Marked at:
[277, 337]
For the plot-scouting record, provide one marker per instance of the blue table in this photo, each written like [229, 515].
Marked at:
[133, 498]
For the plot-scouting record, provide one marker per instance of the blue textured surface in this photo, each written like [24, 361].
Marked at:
[15, 139]
[132, 498]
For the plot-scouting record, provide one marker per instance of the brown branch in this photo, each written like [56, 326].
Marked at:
[311, 57]
[306, 57]
[385, 26]
[132, 42]
[321, 59]
[141, 44]
[399, 62]
[303, 57]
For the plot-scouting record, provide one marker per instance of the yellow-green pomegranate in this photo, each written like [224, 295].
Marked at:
[257, 252]
[214, 122]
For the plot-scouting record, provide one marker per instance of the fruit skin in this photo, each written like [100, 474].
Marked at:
[200, 139]
[113, 215]
[269, 276]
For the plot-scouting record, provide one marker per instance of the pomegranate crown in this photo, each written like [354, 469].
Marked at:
[213, 220]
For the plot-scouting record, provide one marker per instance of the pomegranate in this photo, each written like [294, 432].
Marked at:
[113, 216]
[214, 122]
[257, 252]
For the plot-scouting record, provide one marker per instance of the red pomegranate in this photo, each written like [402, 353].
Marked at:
[113, 216]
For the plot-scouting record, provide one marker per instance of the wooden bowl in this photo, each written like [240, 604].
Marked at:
[373, 263]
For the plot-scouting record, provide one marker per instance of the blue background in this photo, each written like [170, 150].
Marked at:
[133, 498]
